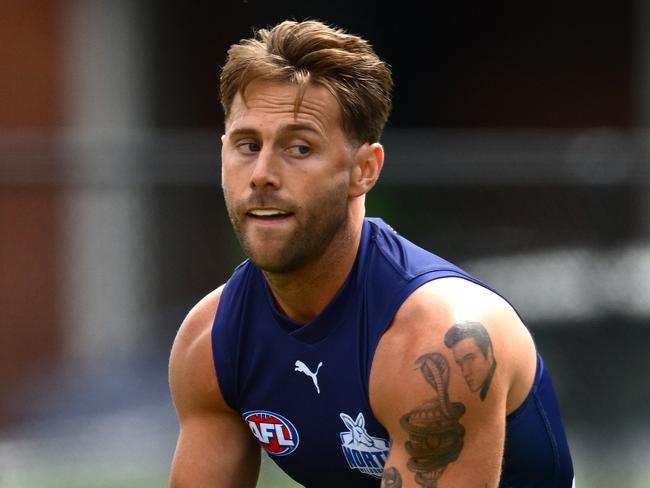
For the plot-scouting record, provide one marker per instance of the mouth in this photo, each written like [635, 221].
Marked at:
[269, 214]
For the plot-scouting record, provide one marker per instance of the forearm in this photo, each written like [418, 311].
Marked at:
[403, 477]
[215, 463]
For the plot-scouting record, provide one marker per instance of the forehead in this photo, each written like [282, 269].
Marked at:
[268, 102]
[465, 345]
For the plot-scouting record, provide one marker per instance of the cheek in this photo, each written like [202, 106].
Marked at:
[232, 195]
[469, 366]
[225, 178]
[232, 174]
[333, 166]
[337, 181]
[334, 195]
[225, 171]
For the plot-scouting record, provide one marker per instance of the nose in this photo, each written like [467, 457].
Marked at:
[266, 170]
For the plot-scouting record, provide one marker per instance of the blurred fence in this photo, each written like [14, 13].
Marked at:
[556, 220]
[594, 156]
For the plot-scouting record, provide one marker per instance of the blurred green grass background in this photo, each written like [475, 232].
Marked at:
[270, 477]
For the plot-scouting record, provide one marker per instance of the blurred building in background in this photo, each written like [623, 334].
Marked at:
[519, 147]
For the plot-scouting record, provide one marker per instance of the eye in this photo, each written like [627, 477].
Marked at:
[249, 147]
[299, 150]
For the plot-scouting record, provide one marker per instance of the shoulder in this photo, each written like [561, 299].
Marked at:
[438, 316]
[192, 377]
[195, 330]
[214, 445]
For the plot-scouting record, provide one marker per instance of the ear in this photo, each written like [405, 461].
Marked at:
[361, 422]
[347, 420]
[369, 160]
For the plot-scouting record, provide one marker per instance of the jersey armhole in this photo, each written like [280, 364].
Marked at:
[385, 318]
[223, 361]
[512, 417]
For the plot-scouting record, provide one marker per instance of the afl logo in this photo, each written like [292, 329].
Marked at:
[274, 433]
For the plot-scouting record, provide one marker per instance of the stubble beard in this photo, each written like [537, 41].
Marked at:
[318, 227]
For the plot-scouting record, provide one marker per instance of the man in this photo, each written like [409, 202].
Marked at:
[472, 349]
[329, 341]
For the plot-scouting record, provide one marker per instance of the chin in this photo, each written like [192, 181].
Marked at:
[269, 267]
[268, 263]
[276, 265]
[265, 257]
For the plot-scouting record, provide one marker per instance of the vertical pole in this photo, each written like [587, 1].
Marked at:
[643, 97]
[106, 238]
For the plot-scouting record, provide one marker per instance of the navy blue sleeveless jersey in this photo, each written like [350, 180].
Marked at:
[303, 389]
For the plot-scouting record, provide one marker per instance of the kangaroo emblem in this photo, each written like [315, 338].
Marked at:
[360, 436]
[361, 450]
[302, 367]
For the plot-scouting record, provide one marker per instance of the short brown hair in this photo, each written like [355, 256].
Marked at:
[312, 52]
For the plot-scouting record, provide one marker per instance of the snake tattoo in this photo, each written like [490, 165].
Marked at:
[436, 435]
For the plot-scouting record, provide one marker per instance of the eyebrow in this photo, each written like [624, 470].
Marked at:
[295, 127]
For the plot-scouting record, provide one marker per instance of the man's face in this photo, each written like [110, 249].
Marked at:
[285, 176]
[474, 365]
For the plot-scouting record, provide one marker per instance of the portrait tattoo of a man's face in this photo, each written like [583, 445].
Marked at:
[472, 349]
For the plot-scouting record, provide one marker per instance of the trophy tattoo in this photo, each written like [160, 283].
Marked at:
[436, 436]
[391, 478]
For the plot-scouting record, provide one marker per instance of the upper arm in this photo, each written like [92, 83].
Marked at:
[442, 382]
[215, 447]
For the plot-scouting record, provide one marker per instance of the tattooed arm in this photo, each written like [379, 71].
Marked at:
[453, 364]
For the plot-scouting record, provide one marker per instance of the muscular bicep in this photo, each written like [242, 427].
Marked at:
[438, 387]
[215, 446]
[440, 435]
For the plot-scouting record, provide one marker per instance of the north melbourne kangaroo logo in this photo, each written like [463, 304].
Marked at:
[362, 451]
[302, 367]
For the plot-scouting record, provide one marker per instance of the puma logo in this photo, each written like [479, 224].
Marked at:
[302, 367]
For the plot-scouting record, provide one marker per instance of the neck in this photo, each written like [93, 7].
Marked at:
[302, 294]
